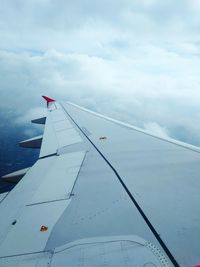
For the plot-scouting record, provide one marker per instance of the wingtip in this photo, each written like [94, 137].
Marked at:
[48, 99]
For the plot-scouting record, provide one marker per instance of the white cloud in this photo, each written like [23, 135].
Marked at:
[25, 119]
[34, 113]
[160, 87]
[156, 129]
[30, 132]
[135, 60]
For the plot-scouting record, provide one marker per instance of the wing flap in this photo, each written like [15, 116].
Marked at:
[59, 178]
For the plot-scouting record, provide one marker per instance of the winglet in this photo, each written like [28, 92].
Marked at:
[48, 99]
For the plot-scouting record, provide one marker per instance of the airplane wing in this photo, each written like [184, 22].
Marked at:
[102, 193]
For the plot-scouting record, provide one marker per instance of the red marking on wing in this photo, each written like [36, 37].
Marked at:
[43, 228]
[48, 99]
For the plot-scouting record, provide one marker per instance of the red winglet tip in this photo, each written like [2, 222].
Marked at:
[48, 99]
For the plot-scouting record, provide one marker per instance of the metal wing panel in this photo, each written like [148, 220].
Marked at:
[163, 176]
[99, 207]
[58, 132]
[2, 196]
[27, 207]
[27, 229]
[32, 260]
[50, 142]
[40, 198]
[109, 251]
[59, 179]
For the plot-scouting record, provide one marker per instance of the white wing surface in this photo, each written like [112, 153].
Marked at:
[103, 193]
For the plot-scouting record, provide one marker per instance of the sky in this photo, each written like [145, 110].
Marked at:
[134, 60]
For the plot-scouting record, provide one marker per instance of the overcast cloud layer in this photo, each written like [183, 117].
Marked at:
[134, 60]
